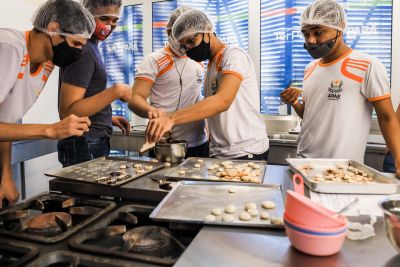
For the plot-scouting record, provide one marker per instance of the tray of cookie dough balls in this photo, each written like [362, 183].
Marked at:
[108, 171]
[342, 176]
[219, 170]
[228, 204]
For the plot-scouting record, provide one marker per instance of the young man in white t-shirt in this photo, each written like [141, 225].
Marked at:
[61, 29]
[232, 101]
[171, 81]
[341, 88]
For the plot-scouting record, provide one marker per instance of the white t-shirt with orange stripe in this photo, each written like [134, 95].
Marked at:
[161, 70]
[239, 131]
[338, 105]
[19, 88]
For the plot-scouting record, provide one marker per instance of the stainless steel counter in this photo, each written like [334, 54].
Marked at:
[223, 246]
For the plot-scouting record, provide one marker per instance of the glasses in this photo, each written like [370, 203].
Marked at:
[190, 42]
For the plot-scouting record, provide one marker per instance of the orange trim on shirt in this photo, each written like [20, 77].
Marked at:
[356, 67]
[167, 68]
[162, 61]
[145, 79]
[360, 61]
[348, 74]
[168, 50]
[39, 69]
[218, 54]
[234, 73]
[308, 71]
[45, 78]
[374, 99]
[21, 75]
[358, 64]
[335, 61]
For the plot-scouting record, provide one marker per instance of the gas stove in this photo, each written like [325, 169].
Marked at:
[129, 233]
[62, 230]
[51, 217]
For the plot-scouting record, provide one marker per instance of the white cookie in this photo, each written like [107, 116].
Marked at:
[268, 204]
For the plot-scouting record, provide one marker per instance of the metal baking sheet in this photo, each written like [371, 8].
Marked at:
[190, 202]
[203, 174]
[383, 185]
[91, 171]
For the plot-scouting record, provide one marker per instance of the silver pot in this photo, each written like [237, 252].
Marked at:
[171, 152]
[391, 208]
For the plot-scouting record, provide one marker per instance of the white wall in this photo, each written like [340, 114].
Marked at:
[17, 14]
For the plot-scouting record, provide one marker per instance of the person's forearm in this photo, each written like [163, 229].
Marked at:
[299, 108]
[5, 160]
[139, 106]
[87, 107]
[17, 132]
[390, 129]
[206, 108]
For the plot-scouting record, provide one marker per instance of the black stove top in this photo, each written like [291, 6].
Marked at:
[51, 217]
[129, 233]
[14, 253]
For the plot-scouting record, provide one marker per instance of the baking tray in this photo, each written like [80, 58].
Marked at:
[91, 171]
[382, 185]
[203, 174]
[191, 201]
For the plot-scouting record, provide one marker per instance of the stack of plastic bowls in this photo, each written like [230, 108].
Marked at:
[312, 228]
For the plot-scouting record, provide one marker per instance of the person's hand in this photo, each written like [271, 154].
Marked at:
[156, 128]
[156, 113]
[122, 123]
[123, 91]
[397, 169]
[290, 96]
[8, 191]
[70, 126]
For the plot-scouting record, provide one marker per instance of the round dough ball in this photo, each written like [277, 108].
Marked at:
[230, 209]
[167, 164]
[245, 216]
[250, 205]
[182, 172]
[197, 165]
[212, 177]
[264, 215]
[232, 190]
[277, 221]
[253, 212]
[209, 218]
[227, 218]
[216, 212]
[268, 204]
[200, 161]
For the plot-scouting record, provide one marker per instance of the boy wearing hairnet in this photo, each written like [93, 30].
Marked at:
[231, 104]
[83, 91]
[341, 88]
[172, 81]
[60, 30]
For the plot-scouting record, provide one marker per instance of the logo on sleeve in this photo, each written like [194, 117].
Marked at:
[335, 89]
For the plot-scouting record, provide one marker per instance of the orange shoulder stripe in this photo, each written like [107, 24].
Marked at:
[167, 68]
[349, 74]
[360, 61]
[309, 70]
[374, 99]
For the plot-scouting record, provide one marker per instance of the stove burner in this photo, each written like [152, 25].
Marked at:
[147, 240]
[48, 224]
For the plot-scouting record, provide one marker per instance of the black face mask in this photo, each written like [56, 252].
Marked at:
[321, 50]
[201, 52]
[64, 55]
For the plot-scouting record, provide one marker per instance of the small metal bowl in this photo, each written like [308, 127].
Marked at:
[391, 209]
[173, 152]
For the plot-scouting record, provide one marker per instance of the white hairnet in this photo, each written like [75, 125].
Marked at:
[191, 22]
[100, 8]
[73, 18]
[326, 13]
[176, 14]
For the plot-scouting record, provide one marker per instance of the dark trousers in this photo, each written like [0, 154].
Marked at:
[388, 163]
[201, 151]
[74, 150]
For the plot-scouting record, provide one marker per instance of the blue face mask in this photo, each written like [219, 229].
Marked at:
[201, 52]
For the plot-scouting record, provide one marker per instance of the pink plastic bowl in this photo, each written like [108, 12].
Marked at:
[317, 245]
[315, 229]
[303, 211]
